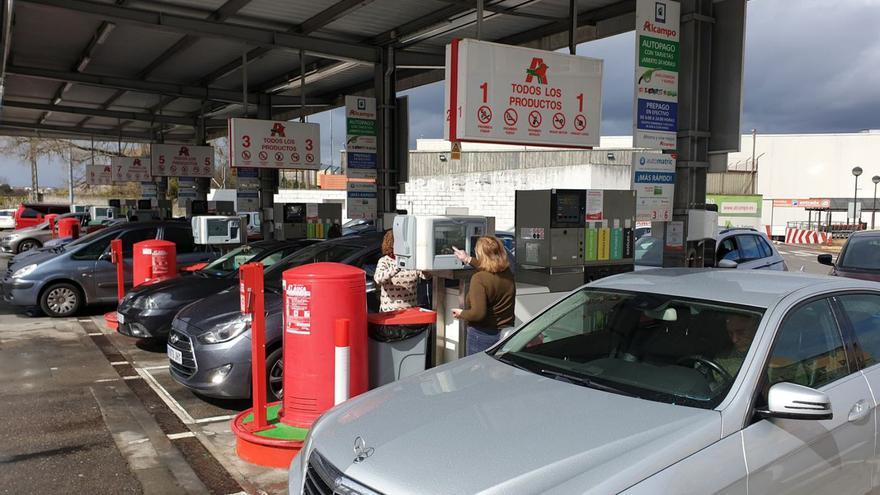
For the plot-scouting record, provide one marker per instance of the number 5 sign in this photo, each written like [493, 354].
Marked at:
[181, 160]
[274, 144]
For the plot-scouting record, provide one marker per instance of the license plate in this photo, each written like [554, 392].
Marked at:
[120, 318]
[175, 355]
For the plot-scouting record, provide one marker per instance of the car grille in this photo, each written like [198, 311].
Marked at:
[183, 344]
[322, 478]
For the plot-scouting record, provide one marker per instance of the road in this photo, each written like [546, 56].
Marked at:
[802, 258]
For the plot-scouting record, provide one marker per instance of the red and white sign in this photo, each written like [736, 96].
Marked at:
[182, 160]
[297, 306]
[802, 236]
[802, 203]
[98, 175]
[558, 96]
[130, 169]
[274, 144]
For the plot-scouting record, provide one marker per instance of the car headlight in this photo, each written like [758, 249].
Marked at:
[25, 271]
[144, 302]
[226, 331]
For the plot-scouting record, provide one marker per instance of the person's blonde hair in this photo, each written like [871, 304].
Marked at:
[491, 254]
[388, 243]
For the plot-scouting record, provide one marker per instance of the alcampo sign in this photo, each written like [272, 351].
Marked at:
[274, 144]
[656, 78]
[509, 94]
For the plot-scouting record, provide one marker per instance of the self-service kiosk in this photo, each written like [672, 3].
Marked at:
[219, 230]
[425, 242]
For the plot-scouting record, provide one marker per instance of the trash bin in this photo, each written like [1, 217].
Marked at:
[397, 344]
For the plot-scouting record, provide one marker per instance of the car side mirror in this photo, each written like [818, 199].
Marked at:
[793, 401]
[727, 264]
[106, 257]
[825, 259]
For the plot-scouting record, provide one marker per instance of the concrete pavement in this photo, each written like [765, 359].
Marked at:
[803, 258]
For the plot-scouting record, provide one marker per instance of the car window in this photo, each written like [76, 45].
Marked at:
[29, 213]
[130, 237]
[336, 253]
[649, 251]
[860, 253]
[93, 247]
[655, 346]
[180, 236]
[748, 248]
[766, 250]
[808, 349]
[59, 209]
[863, 312]
[727, 250]
[369, 262]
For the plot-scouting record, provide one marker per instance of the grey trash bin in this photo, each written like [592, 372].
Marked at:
[398, 343]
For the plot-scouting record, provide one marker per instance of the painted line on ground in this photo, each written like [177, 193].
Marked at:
[215, 419]
[94, 334]
[178, 436]
[105, 380]
[166, 397]
[118, 363]
[132, 377]
[151, 368]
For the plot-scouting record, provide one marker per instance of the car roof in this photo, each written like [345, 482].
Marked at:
[757, 288]
[866, 233]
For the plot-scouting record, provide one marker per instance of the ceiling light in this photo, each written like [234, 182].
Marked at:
[83, 63]
[106, 29]
[57, 100]
[66, 87]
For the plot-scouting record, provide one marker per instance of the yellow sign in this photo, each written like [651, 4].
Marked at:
[604, 243]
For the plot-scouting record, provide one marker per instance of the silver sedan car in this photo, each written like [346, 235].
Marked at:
[676, 381]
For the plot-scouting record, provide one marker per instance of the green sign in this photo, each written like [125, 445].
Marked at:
[656, 53]
[740, 205]
[361, 127]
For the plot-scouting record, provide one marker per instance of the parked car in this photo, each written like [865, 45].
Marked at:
[62, 280]
[635, 384]
[26, 239]
[147, 311]
[741, 248]
[209, 345]
[358, 226]
[859, 257]
[30, 214]
[7, 219]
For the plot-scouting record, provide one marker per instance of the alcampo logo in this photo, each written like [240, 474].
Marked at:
[184, 151]
[538, 69]
[136, 162]
[278, 130]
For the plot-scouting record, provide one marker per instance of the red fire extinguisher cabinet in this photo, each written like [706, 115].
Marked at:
[68, 227]
[315, 297]
[153, 260]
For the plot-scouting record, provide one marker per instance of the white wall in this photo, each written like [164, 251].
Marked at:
[312, 196]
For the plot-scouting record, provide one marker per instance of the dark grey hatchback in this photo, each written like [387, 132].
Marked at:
[209, 347]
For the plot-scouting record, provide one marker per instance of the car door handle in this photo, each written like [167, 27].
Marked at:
[859, 411]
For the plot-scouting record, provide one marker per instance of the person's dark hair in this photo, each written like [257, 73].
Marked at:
[388, 243]
[334, 231]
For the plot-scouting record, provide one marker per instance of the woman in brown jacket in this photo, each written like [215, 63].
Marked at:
[491, 297]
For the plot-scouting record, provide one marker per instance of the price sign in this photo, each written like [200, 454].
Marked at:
[274, 144]
[181, 160]
[98, 175]
[130, 169]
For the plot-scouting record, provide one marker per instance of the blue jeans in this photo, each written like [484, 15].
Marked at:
[479, 340]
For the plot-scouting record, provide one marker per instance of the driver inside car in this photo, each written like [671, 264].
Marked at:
[741, 331]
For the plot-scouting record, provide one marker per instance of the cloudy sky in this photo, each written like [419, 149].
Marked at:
[811, 66]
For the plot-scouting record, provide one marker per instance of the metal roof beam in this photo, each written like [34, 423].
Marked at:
[588, 18]
[213, 29]
[113, 114]
[511, 11]
[153, 87]
[16, 128]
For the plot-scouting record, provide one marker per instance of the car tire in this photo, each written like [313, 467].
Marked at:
[61, 299]
[27, 245]
[274, 375]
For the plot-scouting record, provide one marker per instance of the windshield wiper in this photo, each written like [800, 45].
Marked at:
[504, 359]
[584, 381]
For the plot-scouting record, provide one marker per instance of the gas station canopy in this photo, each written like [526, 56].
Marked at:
[174, 70]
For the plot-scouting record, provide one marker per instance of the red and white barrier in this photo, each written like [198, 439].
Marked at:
[342, 368]
[801, 236]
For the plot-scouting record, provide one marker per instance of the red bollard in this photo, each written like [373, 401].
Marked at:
[252, 303]
[116, 259]
[153, 260]
[68, 227]
[51, 219]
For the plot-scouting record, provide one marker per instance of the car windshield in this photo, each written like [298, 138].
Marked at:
[230, 261]
[649, 252]
[652, 346]
[323, 251]
[862, 253]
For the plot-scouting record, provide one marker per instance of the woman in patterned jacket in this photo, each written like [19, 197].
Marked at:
[399, 287]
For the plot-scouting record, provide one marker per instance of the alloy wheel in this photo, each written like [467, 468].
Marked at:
[276, 379]
[61, 300]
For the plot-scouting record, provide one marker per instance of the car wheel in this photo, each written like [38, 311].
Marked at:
[27, 245]
[274, 375]
[60, 300]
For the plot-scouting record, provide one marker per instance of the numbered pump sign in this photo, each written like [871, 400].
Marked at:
[273, 144]
[98, 175]
[654, 184]
[130, 169]
[181, 160]
[508, 94]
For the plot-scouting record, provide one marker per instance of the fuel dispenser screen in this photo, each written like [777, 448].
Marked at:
[217, 228]
[568, 207]
[448, 235]
[295, 213]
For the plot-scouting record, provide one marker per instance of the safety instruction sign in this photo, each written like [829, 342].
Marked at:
[654, 184]
[98, 175]
[361, 200]
[297, 309]
[274, 144]
[509, 94]
[656, 77]
[130, 169]
[182, 160]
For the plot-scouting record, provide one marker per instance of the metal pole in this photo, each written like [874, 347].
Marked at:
[302, 86]
[855, 203]
[572, 32]
[874, 208]
[753, 167]
[479, 19]
[70, 173]
[244, 83]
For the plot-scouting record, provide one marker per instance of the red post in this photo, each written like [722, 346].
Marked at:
[116, 258]
[51, 219]
[251, 293]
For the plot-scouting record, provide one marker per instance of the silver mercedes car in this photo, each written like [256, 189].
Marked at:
[663, 381]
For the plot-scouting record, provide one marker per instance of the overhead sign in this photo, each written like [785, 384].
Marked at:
[98, 175]
[736, 205]
[182, 160]
[802, 203]
[130, 169]
[654, 183]
[656, 78]
[361, 200]
[149, 190]
[509, 94]
[274, 144]
[360, 143]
